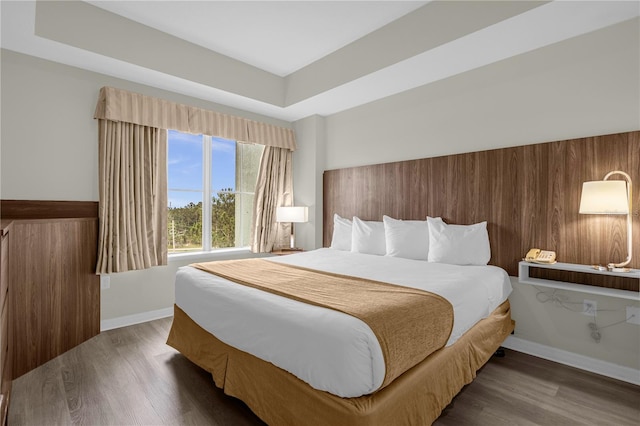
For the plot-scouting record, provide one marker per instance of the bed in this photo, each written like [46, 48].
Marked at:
[324, 367]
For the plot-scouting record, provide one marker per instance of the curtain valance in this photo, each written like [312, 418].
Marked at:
[123, 106]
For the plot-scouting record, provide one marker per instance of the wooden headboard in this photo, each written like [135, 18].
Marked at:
[529, 195]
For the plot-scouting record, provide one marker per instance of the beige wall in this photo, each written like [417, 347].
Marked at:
[558, 327]
[308, 165]
[585, 86]
[49, 151]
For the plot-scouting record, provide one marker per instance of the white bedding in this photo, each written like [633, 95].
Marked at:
[330, 350]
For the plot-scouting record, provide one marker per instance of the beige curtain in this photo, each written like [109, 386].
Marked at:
[133, 181]
[133, 196]
[121, 105]
[273, 189]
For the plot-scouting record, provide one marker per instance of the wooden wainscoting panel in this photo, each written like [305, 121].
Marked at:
[55, 292]
[45, 209]
[529, 195]
[6, 343]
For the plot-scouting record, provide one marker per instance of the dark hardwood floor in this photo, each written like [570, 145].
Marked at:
[130, 376]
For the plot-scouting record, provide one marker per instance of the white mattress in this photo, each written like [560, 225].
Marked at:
[330, 350]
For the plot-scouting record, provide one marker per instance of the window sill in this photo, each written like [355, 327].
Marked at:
[209, 255]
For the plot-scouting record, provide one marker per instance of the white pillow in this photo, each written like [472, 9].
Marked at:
[341, 239]
[406, 238]
[458, 244]
[368, 237]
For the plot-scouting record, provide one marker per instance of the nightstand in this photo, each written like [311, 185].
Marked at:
[284, 252]
[633, 276]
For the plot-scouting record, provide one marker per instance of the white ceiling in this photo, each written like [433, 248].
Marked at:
[283, 37]
[279, 37]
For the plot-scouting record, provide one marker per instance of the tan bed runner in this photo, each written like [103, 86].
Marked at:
[410, 324]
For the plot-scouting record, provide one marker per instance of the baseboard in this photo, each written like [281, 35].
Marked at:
[127, 320]
[605, 368]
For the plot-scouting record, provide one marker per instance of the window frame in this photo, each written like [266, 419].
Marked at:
[207, 196]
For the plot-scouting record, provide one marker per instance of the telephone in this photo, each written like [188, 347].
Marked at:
[540, 256]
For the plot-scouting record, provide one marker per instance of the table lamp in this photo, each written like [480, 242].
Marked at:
[297, 214]
[610, 197]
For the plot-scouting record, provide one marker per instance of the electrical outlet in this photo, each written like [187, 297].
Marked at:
[589, 307]
[633, 314]
[105, 282]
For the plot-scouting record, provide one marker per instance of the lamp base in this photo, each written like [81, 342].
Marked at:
[612, 268]
[599, 267]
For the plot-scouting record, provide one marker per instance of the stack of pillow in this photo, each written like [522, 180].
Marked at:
[431, 240]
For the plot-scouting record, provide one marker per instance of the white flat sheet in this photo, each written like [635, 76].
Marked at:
[330, 350]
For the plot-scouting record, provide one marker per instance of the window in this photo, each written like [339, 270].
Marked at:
[211, 186]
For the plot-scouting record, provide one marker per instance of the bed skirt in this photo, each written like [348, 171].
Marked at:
[417, 397]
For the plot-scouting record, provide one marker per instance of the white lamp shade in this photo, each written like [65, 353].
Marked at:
[604, 197]
[292, 214]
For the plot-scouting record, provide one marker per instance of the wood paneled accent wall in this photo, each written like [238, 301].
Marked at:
[55, 292]
[529, 195]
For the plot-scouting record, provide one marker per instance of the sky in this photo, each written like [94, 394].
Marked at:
[185, 166]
